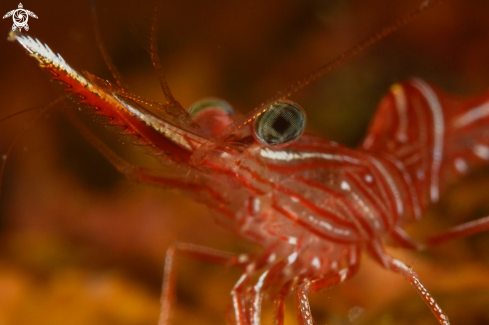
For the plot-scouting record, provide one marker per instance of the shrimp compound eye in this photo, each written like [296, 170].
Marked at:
[210, 102]
[283, 122]
[212, 114]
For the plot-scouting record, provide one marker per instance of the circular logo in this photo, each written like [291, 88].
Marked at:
[20, 17]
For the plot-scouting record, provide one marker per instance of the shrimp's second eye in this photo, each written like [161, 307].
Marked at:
[212, 114]
[283, 122]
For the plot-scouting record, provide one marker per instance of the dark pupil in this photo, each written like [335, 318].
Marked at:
[281, 123]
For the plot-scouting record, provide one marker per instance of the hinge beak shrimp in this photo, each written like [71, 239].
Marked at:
[311, 204]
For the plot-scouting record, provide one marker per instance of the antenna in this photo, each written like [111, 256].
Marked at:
[201, 152]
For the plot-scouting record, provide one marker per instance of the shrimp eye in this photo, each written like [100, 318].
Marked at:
[212, 114]
[283, 122]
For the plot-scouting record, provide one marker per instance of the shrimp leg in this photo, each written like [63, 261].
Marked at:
[280, 302]
[264, 282]
[169, 274]
[238, 295]
[466, 229]
[303, 289]
[157, 177]
[397, 266]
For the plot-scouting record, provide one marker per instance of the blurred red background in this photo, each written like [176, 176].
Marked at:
[80, 245]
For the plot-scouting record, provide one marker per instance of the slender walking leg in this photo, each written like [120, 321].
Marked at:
[302, 302]
[401, 268]
[463, 230]
[280, 303]
[169, 275]
[238, 295]
[263, 283]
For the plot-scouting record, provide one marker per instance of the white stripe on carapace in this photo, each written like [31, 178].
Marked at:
[367, 211]
[472, 115]
[392, 185]
[401, 106]
[439, 128]
[289, 156]
[410, 186]
[322, 224]
[366, 182]
[481, 151]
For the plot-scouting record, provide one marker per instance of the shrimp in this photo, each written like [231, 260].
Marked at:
[282, 250]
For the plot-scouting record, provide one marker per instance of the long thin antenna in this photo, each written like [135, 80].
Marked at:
[6, 155]
[172, 106]
[103, 50]
[155, 57]
[20, 113]
[200, 153]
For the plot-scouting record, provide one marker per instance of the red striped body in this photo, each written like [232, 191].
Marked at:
[316, 196]
[312, 204]
[436, 137]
